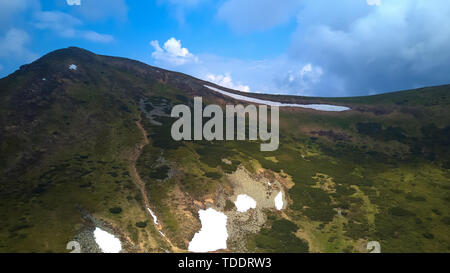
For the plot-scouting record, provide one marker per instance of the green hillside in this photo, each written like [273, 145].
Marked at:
[92, 147]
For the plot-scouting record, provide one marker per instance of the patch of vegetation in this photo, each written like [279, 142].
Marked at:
[115, 210]
[416, 198]
[141, 224]
[280, 238]
[160, 173]
[160, 135]
[229, 205]
[400, 212]
[213, 175]
[446, 220]
[197, 186]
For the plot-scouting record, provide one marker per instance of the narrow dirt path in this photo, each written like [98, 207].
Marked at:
[141, 184]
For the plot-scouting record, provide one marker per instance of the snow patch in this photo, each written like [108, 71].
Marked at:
[244, 203]
[319, 107]
[107, 242]
[155, 220]
[279, 201]
[213, 235]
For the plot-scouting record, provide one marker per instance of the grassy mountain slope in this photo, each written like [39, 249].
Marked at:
[74, 157]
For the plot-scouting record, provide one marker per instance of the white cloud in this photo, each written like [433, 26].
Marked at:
[14, 45]
[11, 12]
[173, 47]
[373, 2]
[227, 81]
[259, 15]
[61, 23]
[340, 48]
[301, 81]
[172, 53]
[393, 47]
[97, 37]
[73, 2]
[188, 3]
[179, 8]
[67, 26]
[98, 10]
[9, 6]
[253, 75]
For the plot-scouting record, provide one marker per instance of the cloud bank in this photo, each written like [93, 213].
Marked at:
[67, 26]
[257, 15]
[399, 44]
[348, 47]
[14, 45]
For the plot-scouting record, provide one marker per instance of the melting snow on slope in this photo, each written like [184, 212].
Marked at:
[319, 107]
[244, 203]
[155, 220]
[213, 234]
[107, 242]
[73, 67]
[279, 201]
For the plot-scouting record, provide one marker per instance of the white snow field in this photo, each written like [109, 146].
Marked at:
[279, 201]
[107, 242]
[244, 203]
[318, 107]
[213, 235]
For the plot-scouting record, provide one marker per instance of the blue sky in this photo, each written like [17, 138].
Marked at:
[300, 47]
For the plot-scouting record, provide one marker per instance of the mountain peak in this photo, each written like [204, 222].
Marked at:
[70, 52]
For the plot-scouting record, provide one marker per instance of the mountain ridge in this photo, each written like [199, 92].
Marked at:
[77, 51]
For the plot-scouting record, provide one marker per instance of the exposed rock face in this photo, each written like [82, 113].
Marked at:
[263, 190]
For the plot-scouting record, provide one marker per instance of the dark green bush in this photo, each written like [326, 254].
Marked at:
[159, 173]
[115, 210]
[401, 212]
[213, 175]
[141, 224]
